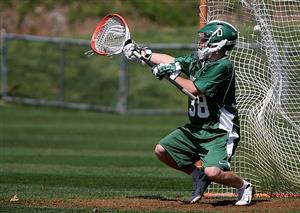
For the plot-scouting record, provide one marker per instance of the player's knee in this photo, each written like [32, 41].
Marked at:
[212, 172]
[159, 150]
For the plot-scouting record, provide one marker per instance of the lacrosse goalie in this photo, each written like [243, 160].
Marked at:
[212, 133]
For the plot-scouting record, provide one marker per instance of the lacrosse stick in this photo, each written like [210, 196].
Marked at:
[109, 39]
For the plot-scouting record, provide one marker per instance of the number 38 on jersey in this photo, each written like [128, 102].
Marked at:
[199, 107]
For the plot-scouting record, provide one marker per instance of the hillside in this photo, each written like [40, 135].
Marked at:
[78, 18]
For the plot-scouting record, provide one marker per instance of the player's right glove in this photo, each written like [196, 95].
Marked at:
[172, 69]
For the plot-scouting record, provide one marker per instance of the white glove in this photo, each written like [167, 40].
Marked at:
[128, 50]
[172, 69]
[131, 46]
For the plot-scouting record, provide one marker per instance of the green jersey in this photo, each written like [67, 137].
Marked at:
[216, 106]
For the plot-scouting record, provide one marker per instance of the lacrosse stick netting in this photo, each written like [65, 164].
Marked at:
[110, 35]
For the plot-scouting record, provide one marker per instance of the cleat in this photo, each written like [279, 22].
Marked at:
[245, 195]
[199, 186]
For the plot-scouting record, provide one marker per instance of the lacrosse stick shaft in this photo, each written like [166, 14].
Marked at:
[183, 90]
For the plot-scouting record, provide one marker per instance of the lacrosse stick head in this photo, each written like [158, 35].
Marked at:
[110, 35]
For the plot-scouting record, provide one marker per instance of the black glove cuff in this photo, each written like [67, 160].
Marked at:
[147, 53]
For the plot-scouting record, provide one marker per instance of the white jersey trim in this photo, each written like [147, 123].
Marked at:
[225, 120]
[226, 123]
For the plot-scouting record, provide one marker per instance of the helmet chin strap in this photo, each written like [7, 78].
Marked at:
[206, 52]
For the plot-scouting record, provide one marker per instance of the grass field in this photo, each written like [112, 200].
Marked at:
[59, 154]
[59, 160]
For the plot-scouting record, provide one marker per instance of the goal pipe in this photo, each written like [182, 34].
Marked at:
[202, 13]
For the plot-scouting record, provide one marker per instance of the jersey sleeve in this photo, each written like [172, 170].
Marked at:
[212, 79]
[185, 62]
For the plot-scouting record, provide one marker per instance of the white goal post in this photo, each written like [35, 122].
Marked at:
[267, 63]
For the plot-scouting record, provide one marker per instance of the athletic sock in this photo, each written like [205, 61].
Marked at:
[245, 184]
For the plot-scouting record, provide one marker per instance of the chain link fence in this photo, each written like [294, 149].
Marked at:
[52, 71]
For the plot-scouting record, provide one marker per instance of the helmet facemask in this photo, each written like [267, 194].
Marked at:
[203, 49]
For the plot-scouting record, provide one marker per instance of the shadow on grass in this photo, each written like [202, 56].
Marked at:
[231, 202]
[152, 197]
[211, 202]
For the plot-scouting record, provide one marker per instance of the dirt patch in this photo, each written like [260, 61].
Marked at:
[154, 204]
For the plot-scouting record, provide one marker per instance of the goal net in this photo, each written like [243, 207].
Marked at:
[267, 63]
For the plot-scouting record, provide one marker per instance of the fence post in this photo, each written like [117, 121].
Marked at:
[61, 96]
[3, 63]
[122, 105]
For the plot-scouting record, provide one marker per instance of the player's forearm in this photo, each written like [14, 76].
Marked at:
[159, 58]
[188, 85]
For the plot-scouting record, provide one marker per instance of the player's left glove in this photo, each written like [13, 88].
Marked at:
[172, 69]
[131, 46]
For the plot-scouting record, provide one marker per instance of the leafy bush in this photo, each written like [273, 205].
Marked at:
[166, 12]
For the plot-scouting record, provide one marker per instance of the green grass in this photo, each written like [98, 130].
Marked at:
[60, 154]
[21, 209]
[55, 154]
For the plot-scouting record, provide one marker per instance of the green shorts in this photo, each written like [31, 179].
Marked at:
[213, 147]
